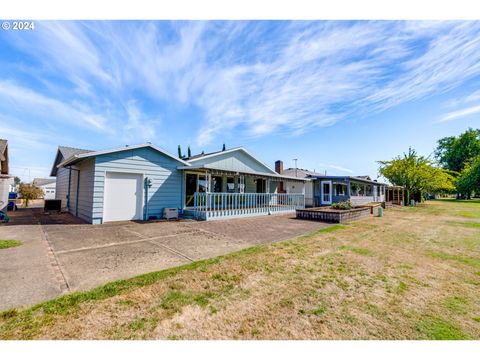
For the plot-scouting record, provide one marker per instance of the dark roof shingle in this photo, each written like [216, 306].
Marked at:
[67, 151]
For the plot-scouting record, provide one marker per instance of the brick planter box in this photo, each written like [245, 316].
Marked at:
[333, 215]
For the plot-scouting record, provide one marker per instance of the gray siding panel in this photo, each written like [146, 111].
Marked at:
[167, 181]
[83, 173]
[62, 186]
[85, 189]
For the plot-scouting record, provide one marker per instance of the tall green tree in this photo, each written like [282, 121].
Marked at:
[189, 152]
[453, 153]
[468, 181]
[417, 174]
[180, 152]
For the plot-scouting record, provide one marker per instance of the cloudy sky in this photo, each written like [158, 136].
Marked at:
[336, 95]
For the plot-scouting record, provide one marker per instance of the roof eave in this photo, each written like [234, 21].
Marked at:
[276, 175]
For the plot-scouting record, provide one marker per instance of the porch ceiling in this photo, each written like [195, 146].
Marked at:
[216, 171]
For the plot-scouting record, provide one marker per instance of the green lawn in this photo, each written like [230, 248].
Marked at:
[5, 244]
[412, 274]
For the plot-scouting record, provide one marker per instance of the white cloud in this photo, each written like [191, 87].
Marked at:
[137, 125]
[31, 102]
[460, 113]
[243, 76]
[336, 167]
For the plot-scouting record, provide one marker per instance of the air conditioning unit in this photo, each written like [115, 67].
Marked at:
[170, 213]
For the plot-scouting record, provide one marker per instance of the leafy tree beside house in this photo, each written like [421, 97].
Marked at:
[460, 154]
[29, 192]
[417, 174]
[468, 181]
[453, 153]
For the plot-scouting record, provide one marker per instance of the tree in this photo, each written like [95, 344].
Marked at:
[189, 151]
[417, 174]
[453, 153]
[16, 180]
[224, 147]
[180, 152]
[29, 192]
[469, 179]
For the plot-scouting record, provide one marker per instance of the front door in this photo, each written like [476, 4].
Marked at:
[261, 188]
[190, 188]
[326, 192]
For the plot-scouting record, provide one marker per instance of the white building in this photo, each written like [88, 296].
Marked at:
[48, 187]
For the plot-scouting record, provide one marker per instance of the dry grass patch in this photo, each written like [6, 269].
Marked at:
[408, 275]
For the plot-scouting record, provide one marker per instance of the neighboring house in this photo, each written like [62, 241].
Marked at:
[48, 187]
[325, 189]
[5, 178]
[139, 182]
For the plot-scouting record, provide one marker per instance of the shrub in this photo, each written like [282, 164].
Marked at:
[29, 192]
[343, 205]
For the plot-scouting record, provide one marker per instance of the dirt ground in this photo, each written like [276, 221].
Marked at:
[412, 274]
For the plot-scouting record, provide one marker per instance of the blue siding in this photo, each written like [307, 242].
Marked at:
[167, 181]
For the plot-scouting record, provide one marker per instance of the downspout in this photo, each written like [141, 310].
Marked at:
[68, 193]
[76, 195]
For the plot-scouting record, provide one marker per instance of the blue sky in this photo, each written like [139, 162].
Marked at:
[337, 95]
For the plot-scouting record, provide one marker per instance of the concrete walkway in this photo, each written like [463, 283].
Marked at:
[27, 272]
[63, 254]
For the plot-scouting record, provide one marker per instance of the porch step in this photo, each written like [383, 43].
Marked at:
[188, 214]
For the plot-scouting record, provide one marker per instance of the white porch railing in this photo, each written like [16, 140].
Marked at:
[211, 206]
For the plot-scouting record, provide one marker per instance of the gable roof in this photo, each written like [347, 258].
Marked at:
[80, 156]
[197, 158]
[67, 151]
[41, 181]
[64, 153]
[301, 173]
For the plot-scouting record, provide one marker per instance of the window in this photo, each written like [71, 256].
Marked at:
[339, 189]
[354, 189]
[216, 183]
[230, 184]
[368, 190]
[202, 183]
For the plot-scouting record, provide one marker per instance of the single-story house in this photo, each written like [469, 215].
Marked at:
[48, 187]
[324, 189]
[139, 182]
[5, 178]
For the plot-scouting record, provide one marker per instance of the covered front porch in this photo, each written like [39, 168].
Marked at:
[211, 194]
[330, 190]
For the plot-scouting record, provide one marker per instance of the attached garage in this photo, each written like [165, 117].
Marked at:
[123, 196]
[102, 186]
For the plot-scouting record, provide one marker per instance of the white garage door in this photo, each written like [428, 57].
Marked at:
[123, 197]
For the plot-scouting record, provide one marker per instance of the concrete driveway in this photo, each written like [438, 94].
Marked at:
[62, 254]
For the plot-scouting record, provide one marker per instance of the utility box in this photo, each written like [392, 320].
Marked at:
[52, 205]
[170, 213]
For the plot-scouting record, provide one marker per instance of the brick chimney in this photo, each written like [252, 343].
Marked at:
[279, 169]
[279, 166]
